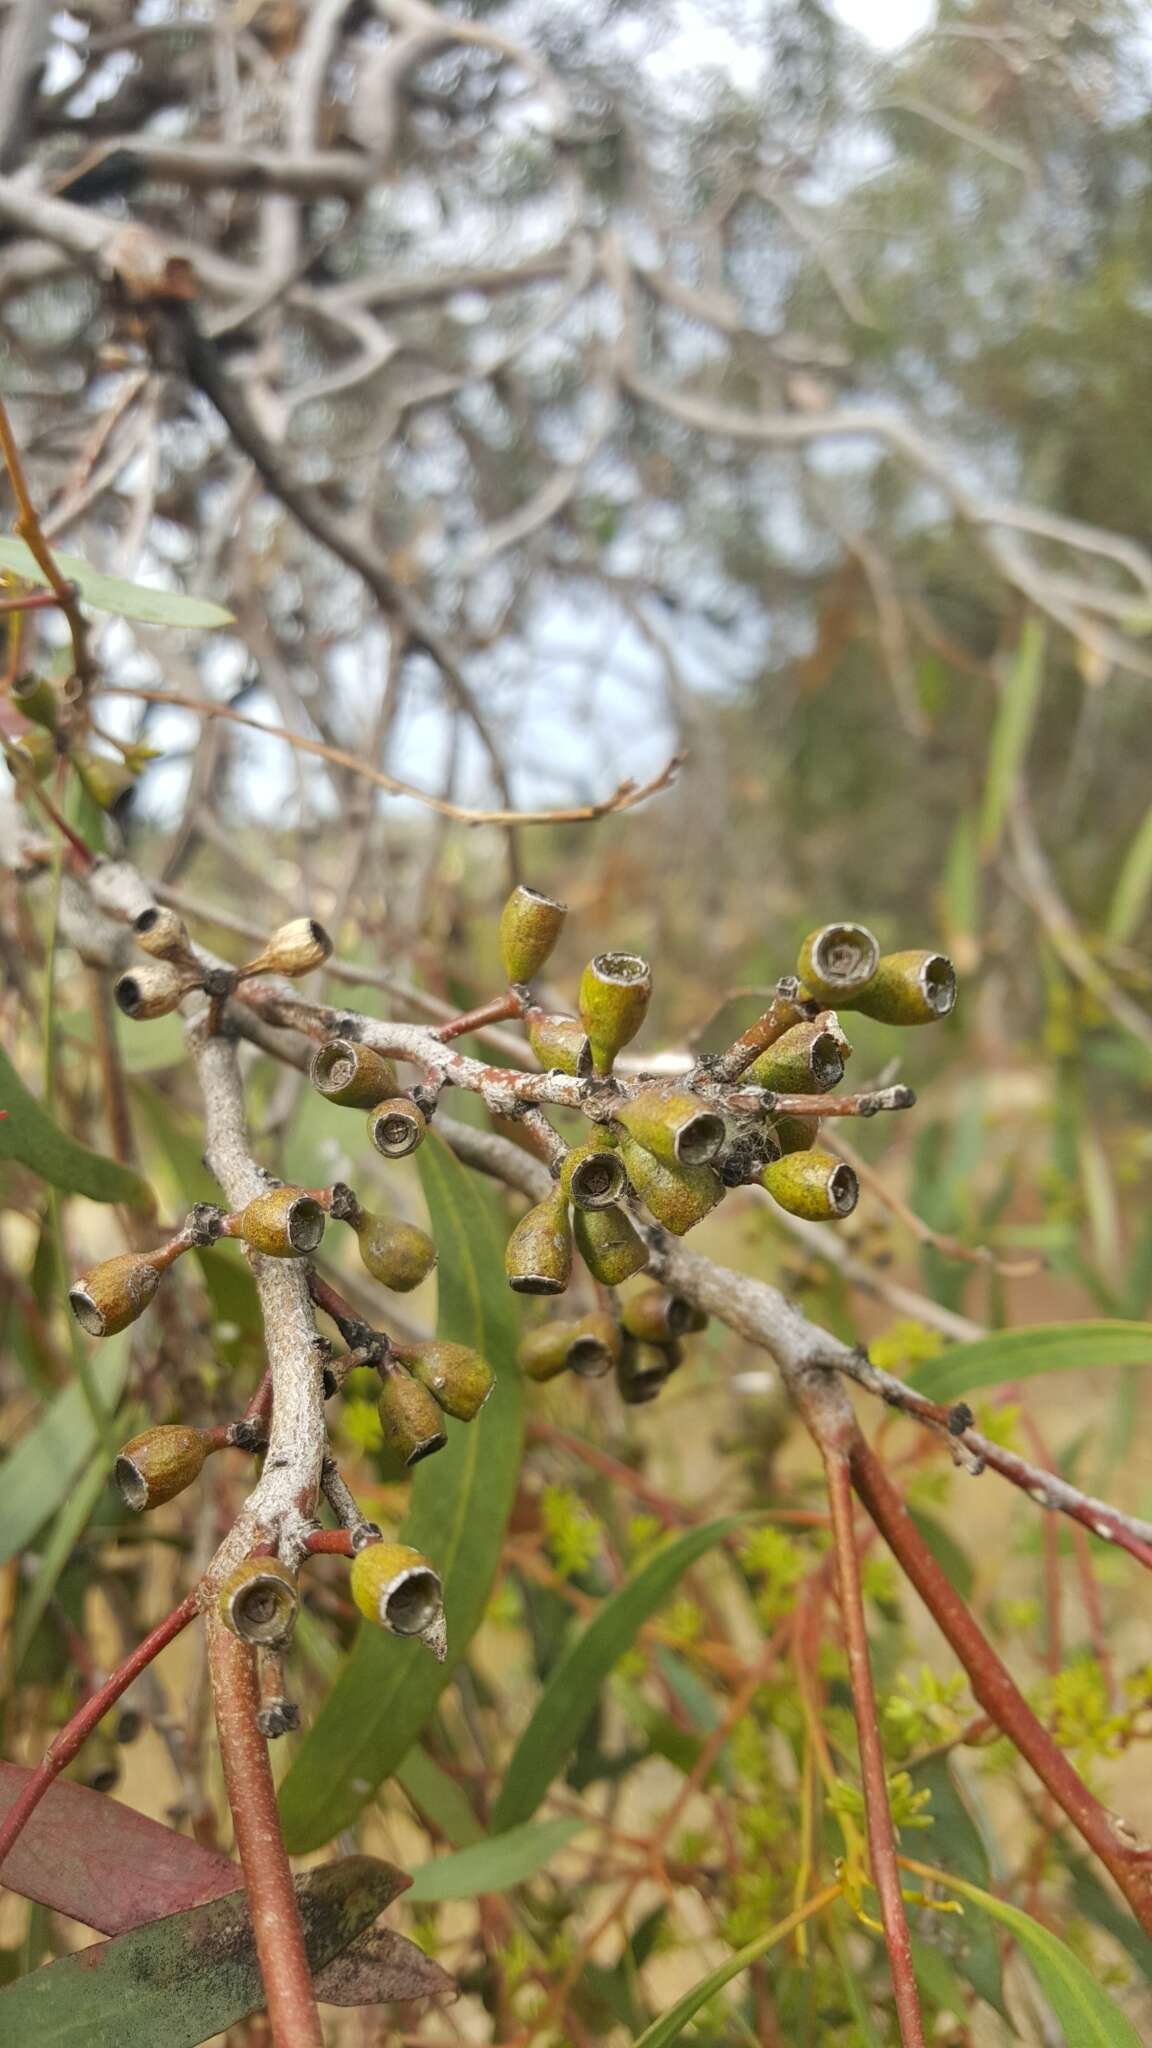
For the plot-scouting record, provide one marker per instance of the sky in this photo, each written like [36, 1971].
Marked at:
[885, 22]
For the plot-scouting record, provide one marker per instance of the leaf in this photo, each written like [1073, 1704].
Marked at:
[958, 1844]
[114, 593]
[494, 1865]
[572, 1691]
[72, 1518]
[1133, 886]
[669, 2027]
[1087, 2017]
[439, 1798]
[945, 1549]
[1011, 732]
[1098, 1905]
[1027, 1352]
[38, 1475]
[459, 1507]
[27, 1133]
[112, 1869]
[182, 1979]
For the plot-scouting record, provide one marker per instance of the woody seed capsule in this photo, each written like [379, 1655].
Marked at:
[410, 1418]
[114, 1293]
[157, 1465]
[815, 1185]
[35, 697]
[395, 1587]
[909, 988]
[162, 934]
[296, 948]
[675, 1128]
[837, 961]
[285, 1223]
[530, 925]
[808, 1060]
[352, 1074]
[609, 1244]
[642, 1370]
[593, 1345]
[538, 1255]
[592, 1176]
[679, 1197]
[615, 990]
[397, 1126]
[154, 989]
[399, 1255]
[33, 753]
[656, 1317]
[796, 1133]
[559, 1042]
[259, 1601]
[105, 780]
[457, 1378]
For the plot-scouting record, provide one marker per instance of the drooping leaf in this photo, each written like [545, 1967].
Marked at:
[182, 1979]
[114, 594]
[1025, 1353]
[38, 1475]
[1011, 732]
[112, 1869]
[1095, 1903]
[572, 1691]
[1133, 886]
[958, 1844]
[669, 2027]
[1087, 2016]
[27, 1133]
[72, 1518]
[439, 1798]
[459, 1507]
[494, 1865]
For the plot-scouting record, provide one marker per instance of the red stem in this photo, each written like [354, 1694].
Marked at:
[276, 1924]
[330, 1543]
[993, 1685]
[38, 601]
[873, 1772]
[71, 1737]
[497, 1011]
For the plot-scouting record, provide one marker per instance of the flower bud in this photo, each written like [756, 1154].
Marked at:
[296, 948]
[642, 1370]
[796, 1133]
[593, 1345]
[33, 754]
[530, 925]
[592, 1176]
[395, 1587]
[614, 994]
[677, 1196]
[259, 1600]
[154, 989]
[609, 1244]
[114, 1293]
[35, 697]
[909, 988]
[352, 1074]
[457, 1378]
[557, 1041]
[158, 1465]
[838, 961]
[813, 1184]
[399, 1255]
[676, 1128]
[285, 1223]
[657, 1317]
[538, 1255]
[808, 1060]
[105, 780]
[162, 934]
[397, 1126]
[410, 1418]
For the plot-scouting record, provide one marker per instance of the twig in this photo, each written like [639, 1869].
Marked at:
[32, 533]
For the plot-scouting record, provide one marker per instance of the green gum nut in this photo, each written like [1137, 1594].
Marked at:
[657, 1317]
[530, 925]
[837, 961]
[259, 1602]
[909, 988]
[397, 1127]
[410, 1419]
[352, 1075]
[815, 1185]
[796, 1133]
[593, 1345]
[103, 779]
[557, 1041]
[114, 1293]
[34, 753]
[285, 1223]
[610, 1244]
[677, 1129]
[642, 1370]
[615, 990]
[397, 1588]
[159, 1464]
[35, 697]
[457, 1378]
[677, 1196]
[399, 1255]
[538, 1255]
[543, 1353]
[808, 1060]
[592, 1176]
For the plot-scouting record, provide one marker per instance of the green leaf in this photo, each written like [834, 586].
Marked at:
[669, 2027]
[458, 1510]
[114, 593]
[495, 1865]
[42, 1470]
[1025, 1353]
[28, 1134]
[945, 1548]
[439, 1798]
[183, 1979]
[573, 1689]
[1133, 886]
[1015, 718]
[1087, 2017]
[72, 1518]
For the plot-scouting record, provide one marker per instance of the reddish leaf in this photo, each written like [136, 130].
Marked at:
[101, 1863]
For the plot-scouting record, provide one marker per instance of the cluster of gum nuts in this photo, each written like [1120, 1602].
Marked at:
[674, 1147]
